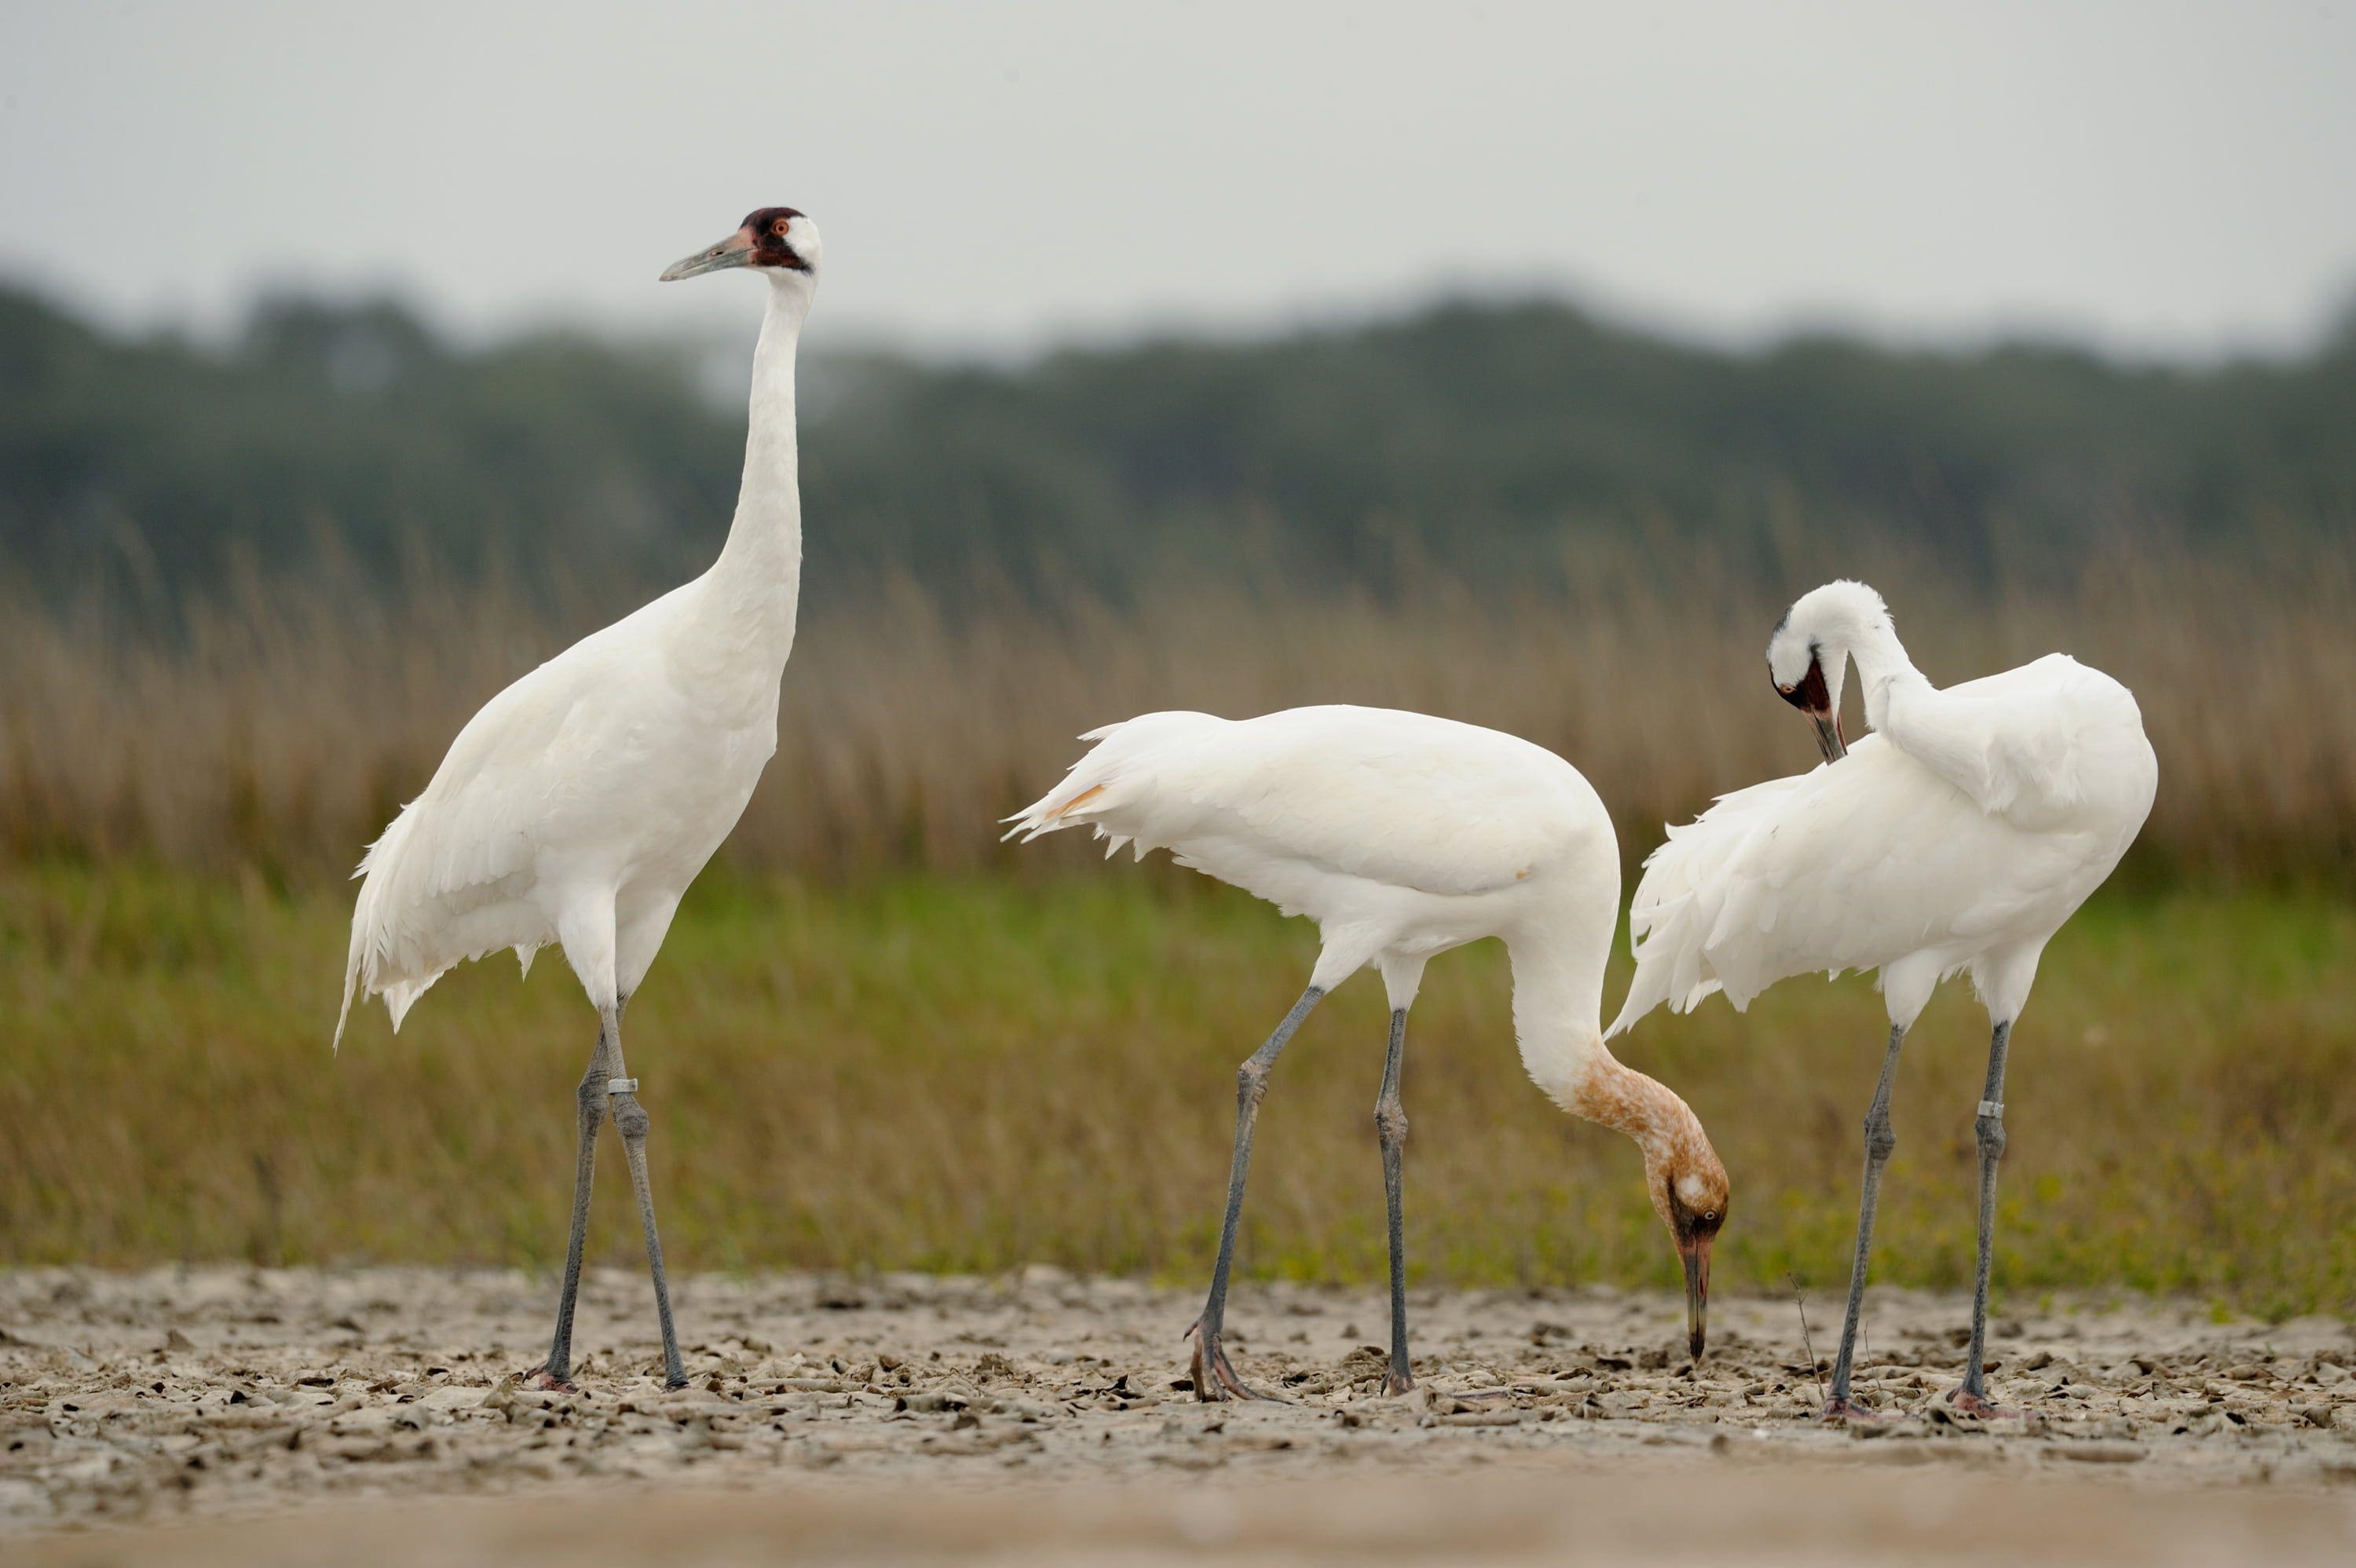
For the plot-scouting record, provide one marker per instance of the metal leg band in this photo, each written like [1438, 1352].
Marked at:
[621, 1085]
[1992, 1109]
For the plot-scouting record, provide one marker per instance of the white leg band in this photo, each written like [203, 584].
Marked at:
[1992, 1109]
[621, 1085]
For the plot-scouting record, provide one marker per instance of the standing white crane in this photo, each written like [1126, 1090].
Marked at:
[1402, 835]
[579, 804]
[1959, 835]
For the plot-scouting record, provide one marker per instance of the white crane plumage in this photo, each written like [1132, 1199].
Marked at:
[1958, 836]
[1402, 835]
[579, 804]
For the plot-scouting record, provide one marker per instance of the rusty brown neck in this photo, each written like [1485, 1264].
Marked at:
[1557, 1008]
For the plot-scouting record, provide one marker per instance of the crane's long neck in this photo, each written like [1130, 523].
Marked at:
[755, 585]
[1887, 674]
[1557, 1012]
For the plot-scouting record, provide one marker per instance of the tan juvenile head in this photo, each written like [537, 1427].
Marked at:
[1682, 1174]
[1691, 1192]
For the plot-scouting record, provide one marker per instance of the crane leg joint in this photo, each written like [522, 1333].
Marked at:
[1391, 1123]
[1880, 1138]
[630, 1118]
[1251, 1083]
[1989, 1125]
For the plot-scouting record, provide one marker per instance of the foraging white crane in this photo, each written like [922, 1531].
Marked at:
[579, 804]
[1959, 835]
[1402, 835]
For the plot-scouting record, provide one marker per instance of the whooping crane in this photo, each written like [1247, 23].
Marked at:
[1959, 835]
[579, 804]
[1402, 835]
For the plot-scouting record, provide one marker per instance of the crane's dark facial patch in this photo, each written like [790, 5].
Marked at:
[1689, 1223]
[768, 226]
[1811, 695]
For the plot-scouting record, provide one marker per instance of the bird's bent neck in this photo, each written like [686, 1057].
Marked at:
[1883, 666]
[756, 582]
[1558, 1013]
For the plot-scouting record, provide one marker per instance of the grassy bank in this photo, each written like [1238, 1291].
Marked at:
[968, 1073]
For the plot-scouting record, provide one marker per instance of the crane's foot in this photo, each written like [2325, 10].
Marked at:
[540, 1378]
[1215, 1376]
[1847, 1410]
[1398, 1381]
[1979, 1406]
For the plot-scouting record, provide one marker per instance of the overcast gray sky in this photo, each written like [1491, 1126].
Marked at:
[2169, 178]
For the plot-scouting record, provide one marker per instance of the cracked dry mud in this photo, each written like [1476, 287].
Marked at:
[173, 1395]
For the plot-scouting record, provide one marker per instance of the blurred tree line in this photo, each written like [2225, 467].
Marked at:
[1476, 434]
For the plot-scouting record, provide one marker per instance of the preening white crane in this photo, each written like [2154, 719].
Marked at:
[1958, 836]
[579, 804]
[1402, 835]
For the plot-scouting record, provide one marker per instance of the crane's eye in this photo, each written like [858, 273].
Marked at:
[779, 228]
[1786, 690]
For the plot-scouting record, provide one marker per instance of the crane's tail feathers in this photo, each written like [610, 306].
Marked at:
[1048, 812]
[344, 1013]
[1087, 782]
[1112, 788]
[370, 953]
[1644, 996]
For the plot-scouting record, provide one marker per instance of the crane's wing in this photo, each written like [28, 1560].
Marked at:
[458, 849]
[2017, 740]
[1853, 865]
[1398, 798]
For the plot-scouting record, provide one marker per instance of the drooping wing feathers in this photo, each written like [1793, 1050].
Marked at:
[454, 854]
[1678, 899]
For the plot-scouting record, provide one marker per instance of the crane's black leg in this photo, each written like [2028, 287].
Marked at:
[1215, 1377]
[1972, 1398]
[1390, 1128]
[589, 1110]
[1880, 1140]
[631, 1121]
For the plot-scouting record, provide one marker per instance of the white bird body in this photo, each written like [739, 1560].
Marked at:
[1402, 835]
[1960, 835]
[577, 804]
[587, 795]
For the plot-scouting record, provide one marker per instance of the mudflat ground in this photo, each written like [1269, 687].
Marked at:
[1046, 1415]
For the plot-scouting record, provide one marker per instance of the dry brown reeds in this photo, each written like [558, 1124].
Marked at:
[279, 724]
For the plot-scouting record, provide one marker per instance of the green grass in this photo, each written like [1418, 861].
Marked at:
[970, 1074]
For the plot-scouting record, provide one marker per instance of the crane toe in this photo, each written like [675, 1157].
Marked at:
[539, 1377]
[1215, 1379]
[1978, 1406]
[1850, 1412]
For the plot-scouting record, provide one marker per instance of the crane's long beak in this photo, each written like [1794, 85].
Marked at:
[1828, 735]
[1697, 1260]
[734, 251]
